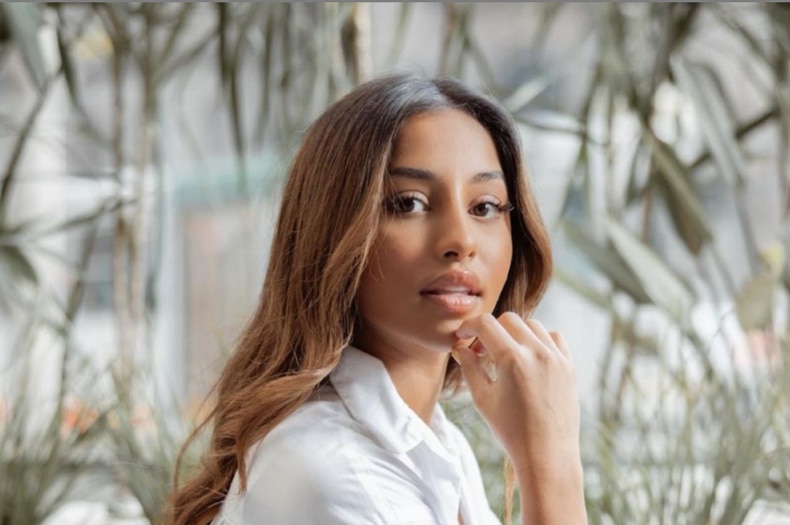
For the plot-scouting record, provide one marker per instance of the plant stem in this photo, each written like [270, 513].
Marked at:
[359, 45]
[740, 132]
[142, 209]
[120, 240]
[18, 148]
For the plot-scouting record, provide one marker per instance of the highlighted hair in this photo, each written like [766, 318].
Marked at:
[307, 308]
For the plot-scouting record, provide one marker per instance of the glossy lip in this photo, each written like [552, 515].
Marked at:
[456, 291]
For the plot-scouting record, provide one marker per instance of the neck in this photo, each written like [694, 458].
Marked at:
[418, 377]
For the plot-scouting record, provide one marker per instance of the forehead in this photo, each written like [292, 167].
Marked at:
[447, 140]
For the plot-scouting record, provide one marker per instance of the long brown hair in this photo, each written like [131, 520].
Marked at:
[327, 225]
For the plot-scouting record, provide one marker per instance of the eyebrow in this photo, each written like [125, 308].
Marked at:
[429, 176]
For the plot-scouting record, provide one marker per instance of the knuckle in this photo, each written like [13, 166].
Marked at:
[509, 360]
[533, 322]
[510, 317]
[488, 320]
[536, 325]
[542, 355]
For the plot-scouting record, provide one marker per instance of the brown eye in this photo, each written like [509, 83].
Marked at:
[490, 209]
[405, 204]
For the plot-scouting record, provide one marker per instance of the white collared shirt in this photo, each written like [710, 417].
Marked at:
[357, 454]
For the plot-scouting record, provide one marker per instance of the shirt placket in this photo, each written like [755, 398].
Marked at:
[442, 482]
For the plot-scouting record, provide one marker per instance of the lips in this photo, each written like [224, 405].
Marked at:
[456, 291]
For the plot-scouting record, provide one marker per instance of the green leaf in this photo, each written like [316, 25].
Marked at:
[176, 31]
[529, 90]
[556, 122]
[396, 47]
[5, 31]
[663, 286]
[69, 71]
[24, 19]
[717, 127]
[6, 179]
[579, 286]
[636, 189]
[548, 13]
[694, 238]
[480, 60]
[185, 59]
[266, 75]
[685, 206]
[607, 261]
[17, 264]
[755, 303]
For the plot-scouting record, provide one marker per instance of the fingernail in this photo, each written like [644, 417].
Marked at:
[454, 355]
[478, 349]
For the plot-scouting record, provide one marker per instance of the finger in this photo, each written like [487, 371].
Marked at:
[476, 370]
[477, 347]
[489, 333]
[530, 333]
[521, 331]
[541, 333]
[562, 344]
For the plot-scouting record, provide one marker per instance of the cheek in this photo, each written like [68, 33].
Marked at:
[397, 245]
[500, 257]
[394, 251]
[390, 266]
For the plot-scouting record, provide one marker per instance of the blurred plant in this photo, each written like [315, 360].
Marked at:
[694, 425]
[47, 448]
[303, 56]
[146, 439]
[691, 428]
[693, 450]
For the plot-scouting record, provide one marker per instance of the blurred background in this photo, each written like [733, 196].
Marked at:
[143, 148]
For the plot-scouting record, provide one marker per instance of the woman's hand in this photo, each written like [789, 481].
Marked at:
[523, 382]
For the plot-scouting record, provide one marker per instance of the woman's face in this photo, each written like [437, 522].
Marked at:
[443, 249]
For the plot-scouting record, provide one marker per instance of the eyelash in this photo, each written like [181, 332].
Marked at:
[394, 205]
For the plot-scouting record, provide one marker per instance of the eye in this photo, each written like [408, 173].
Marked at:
[490, 209]
[405, 204]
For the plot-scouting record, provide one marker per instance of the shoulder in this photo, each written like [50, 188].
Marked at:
[310, 469]
[320, 436]
[321, 430]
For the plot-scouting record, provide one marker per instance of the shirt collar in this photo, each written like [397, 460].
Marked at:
[370, 396]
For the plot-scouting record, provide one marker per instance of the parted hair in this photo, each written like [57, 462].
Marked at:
[327, 224]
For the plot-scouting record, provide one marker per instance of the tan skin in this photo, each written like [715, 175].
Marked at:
[447, 211]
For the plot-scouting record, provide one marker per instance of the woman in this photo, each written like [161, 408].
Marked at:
[407, 233]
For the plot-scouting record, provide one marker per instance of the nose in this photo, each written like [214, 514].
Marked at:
[457, 239]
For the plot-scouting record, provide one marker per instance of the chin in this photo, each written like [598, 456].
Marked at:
[443, 337]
